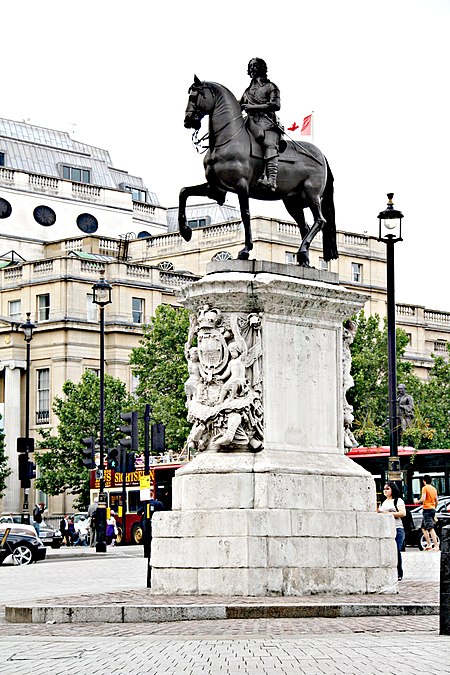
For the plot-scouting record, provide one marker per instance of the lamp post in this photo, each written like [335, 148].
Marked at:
[390, 232]
[28, 328]
[102, 297]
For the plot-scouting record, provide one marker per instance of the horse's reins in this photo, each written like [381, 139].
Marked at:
[196, 141]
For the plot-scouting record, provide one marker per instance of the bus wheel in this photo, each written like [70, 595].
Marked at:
[137, 534]
[119, 535]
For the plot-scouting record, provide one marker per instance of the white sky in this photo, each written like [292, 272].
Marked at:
[376, 75]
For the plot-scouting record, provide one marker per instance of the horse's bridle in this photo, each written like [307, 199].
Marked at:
[197, 141]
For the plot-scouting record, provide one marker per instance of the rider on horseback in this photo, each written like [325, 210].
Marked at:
[260, 101]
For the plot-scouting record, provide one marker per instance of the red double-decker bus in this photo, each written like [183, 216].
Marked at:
[160, 488]
[414, 464]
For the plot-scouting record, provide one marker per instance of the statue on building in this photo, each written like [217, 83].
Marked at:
[261, 100]
[224, 388]
[348, 336]
[405, 409]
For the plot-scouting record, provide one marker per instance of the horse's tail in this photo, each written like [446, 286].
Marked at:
[330, 251]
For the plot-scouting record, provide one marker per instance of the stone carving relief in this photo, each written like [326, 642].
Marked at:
[224, 387]
[347, 381]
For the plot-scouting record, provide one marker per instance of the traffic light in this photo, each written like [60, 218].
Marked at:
[130, 430]
[130, 459]
[31, 470]
[25, 444]
[23, 467]
[158, 438]
[88, 452]
[113, 459]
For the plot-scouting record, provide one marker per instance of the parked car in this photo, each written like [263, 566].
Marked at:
[416, 537]
[17, 541]
[47, 534]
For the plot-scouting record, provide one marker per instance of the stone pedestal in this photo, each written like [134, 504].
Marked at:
[297, 517]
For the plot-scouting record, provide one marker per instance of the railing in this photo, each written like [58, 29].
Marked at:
[92, 266]
[405, 310]
[6, 174]
[288, 228]
[108, 246]
[138, 271]
[164, 240]
[13, 273]
[43, 181]
[43, 266]
[42, 417]
[85, 189]
[220, 230]
[440, 347]
[436, 317]
[356, 240]
[74, 245]
[173, 279]
[144, 208]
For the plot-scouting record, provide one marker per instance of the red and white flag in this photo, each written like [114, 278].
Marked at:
[307, 126]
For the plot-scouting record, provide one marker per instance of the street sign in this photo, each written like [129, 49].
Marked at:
[99, 474]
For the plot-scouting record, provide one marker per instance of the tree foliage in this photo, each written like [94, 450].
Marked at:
[60, 456]
[5, 470]
[369, 395]
[160, 364]
[435, 402]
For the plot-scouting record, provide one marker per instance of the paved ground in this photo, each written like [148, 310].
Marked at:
[400, 645]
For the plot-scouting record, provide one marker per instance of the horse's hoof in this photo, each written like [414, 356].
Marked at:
[186, 232]
[244, 254]
[303, 259]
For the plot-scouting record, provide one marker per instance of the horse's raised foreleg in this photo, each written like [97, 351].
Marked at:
[203, 190]
[242, 192]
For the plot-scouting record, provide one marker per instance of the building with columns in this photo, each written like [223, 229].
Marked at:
[66, 214]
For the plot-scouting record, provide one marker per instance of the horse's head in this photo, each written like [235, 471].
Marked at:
[200, 103]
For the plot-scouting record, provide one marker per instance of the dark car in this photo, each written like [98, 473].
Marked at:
[416, 536]
[47, 534]
[18, 542]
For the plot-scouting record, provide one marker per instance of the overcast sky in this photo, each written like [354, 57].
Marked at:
[116, 75]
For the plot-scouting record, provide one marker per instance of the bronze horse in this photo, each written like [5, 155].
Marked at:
[304, 177]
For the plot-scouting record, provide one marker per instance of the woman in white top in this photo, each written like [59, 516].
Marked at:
[395, 505]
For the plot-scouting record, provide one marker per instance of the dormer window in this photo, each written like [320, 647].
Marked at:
[136, 194]
[2, 159]
[76, 174]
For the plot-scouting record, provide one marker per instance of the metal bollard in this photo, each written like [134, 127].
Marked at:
[444, 596]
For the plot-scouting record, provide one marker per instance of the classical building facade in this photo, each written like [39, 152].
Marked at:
[66, 214]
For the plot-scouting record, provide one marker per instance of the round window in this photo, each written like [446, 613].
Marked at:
[87, 223]
[44, 215]
[5, 208]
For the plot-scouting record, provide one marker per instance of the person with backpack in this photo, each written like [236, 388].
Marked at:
[394, 505]
[37, 516]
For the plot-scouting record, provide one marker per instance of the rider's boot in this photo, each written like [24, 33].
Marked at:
[272, 172]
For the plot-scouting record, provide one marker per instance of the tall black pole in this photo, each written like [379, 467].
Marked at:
[25, 504]
[101, 510]
[394, 462]
[147, 439]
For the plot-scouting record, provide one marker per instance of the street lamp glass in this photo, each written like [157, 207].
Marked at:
[28, 328]
[102, 292]
[390, 222]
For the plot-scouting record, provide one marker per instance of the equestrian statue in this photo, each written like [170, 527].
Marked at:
[250, 158]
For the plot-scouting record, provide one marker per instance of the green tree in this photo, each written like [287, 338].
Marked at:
[435, 402]
[160, 364]
[5, 470]
[369, 395]
[60, 456]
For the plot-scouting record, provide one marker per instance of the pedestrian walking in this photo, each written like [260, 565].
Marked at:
[64, 529]
[37, 517]
[429, 499]
[395, 505]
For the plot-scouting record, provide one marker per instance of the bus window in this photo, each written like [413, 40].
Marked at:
[115, 500]
[133, 501]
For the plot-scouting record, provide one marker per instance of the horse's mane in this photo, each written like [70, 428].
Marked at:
[220, 88]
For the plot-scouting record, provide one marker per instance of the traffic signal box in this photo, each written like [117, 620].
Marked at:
[88, 452]
[27, 468]
[113, 459]
[130, 430]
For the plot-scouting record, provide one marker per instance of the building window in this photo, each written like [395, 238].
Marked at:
[134, 384]
[324, 265]
[96, 371]
[43, 307]
[43, 396]
[440, 347]
[91, 309]
[290, 258]
[409, 336]
[14, 309]
[136, 194]
[76, 174]
[222, 255]
[2, 159]
[199, 222]
[138, 310]
[357, 273]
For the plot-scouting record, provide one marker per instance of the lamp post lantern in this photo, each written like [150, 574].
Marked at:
[390, 232]
[28, 328]
[102, 297]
